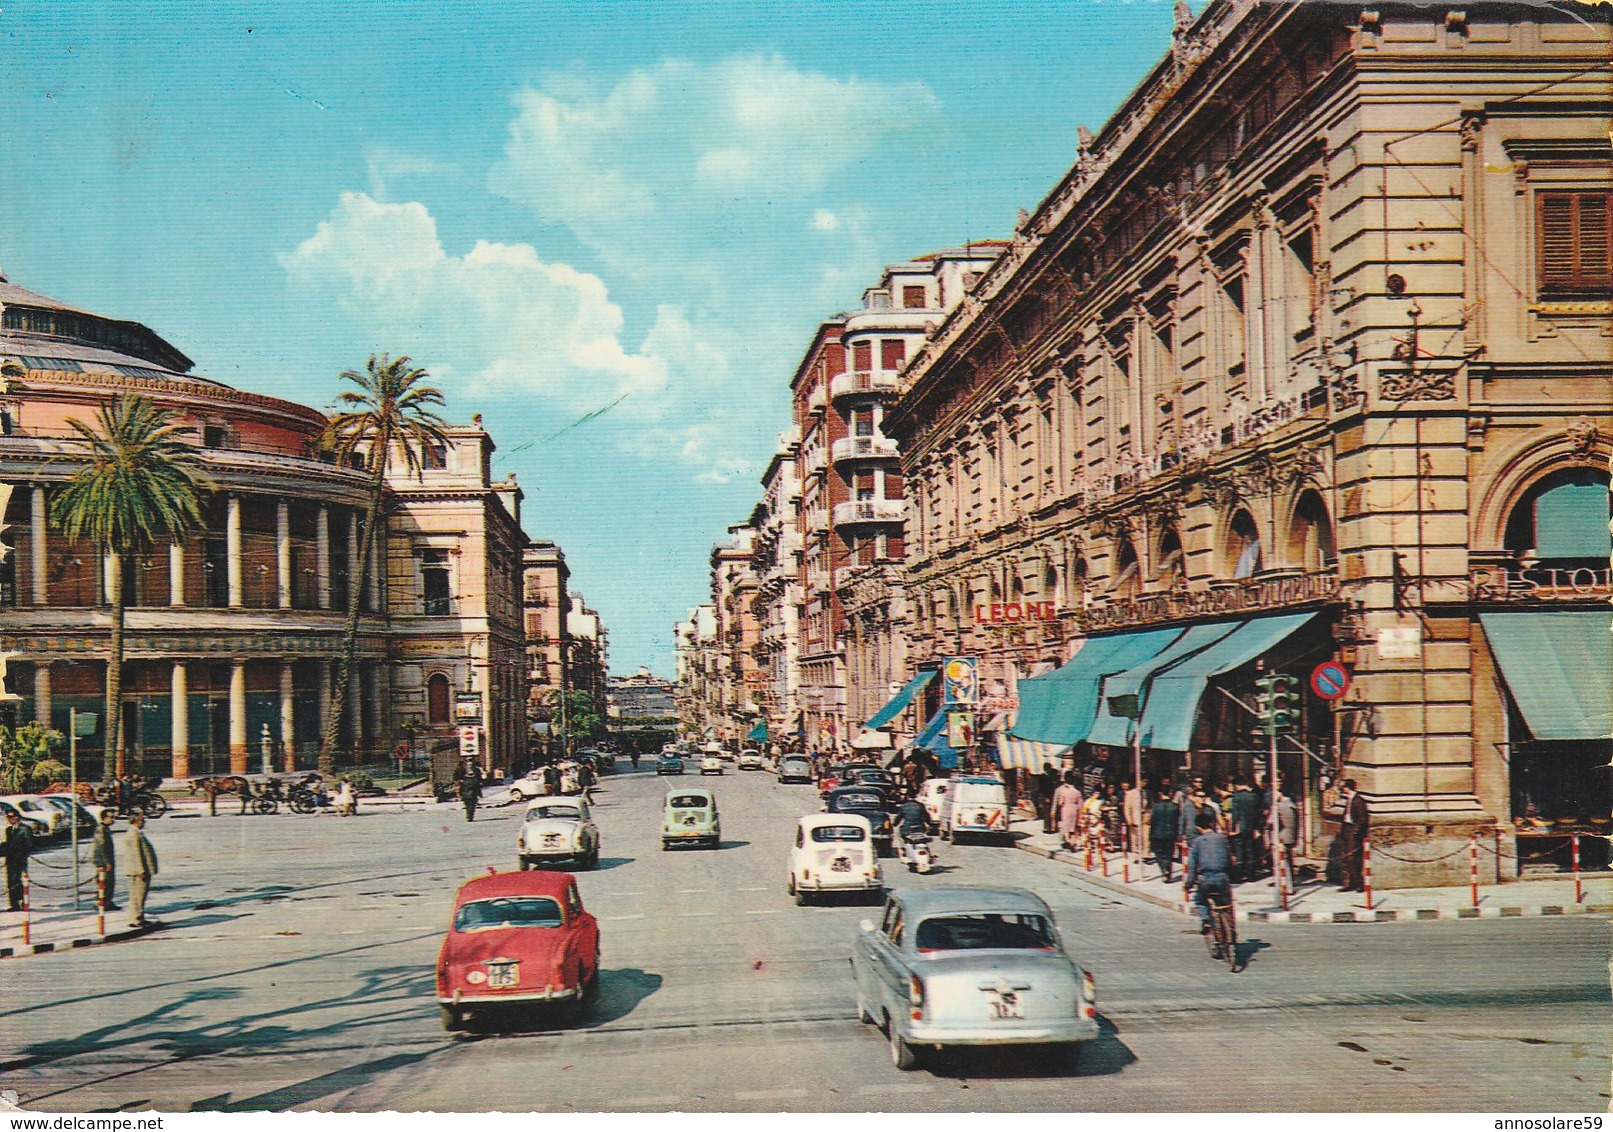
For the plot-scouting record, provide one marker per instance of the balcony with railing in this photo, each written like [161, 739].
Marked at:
[865, 511]
[849, 448]
[862, 383]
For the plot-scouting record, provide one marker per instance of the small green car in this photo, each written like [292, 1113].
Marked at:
[691, 818]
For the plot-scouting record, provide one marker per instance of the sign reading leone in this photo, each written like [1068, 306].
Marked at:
[1011, 612]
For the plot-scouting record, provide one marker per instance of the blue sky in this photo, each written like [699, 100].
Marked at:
[552, 207]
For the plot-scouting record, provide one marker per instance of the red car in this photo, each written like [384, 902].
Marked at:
[517, 939]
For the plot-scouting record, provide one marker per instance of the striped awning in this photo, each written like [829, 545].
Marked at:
[1028, 754]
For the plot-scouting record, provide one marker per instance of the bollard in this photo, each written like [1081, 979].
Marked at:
[1579, 891]
[1366, 870]
[1089, 855]
[1125, 870]
[1103, 856]
[27, 915]
[100, 902]
[1473, 866]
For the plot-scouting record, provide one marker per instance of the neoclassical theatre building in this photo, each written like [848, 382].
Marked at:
[231, 634]
[1308, 358]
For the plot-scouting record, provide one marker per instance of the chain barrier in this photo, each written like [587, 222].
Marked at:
[1486, 846]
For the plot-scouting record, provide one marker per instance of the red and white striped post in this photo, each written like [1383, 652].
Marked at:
[1125, 870]
[1473, 866]
[100, 902]
[1579, 890]
[1089, 853]
[27, 912]
[1103, 856]
[1366, 872]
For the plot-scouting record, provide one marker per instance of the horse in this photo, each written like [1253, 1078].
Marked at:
[213, 786]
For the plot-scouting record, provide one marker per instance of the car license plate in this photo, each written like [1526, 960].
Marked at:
[1005, 1004]
[503, 974]
[841, 865]
[551, 839]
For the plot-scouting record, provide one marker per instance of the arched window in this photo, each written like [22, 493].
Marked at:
[437, 707]
[1126, 583]
[1243, 546]
[1562, 521]
[1079, 595]
[1310, 535]
[1050, 585]
[1172, 568]
[1016, 587]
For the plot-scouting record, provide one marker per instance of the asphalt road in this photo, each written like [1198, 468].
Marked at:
[297, 973]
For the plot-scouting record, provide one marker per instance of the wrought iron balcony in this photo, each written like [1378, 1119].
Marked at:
[862, 511]
[862, 383]
[864, 448]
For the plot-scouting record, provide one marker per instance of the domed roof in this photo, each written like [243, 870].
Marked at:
[46, 333]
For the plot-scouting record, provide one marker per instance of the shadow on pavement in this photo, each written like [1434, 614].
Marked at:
[607, 863]
[1104, 1055]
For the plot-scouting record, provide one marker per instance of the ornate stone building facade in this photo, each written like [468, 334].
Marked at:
[1311, 346]
[777, 606]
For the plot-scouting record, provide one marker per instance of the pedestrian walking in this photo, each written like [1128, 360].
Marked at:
[1047, 788]
[139, 865]
[1356, 821]
[1287, 831]
[16, 846]
[104, 856]
[1131, 831]
[470, 790]
[1245, 818]
[1067, 801]
[1163, 823]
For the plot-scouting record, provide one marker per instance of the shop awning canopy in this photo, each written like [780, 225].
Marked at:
[1116, 730]
[934, 739]
[1173, 695]
[759, 732]
[1060, 707]
[899, 701]
[1558, 665]
[1028, 754]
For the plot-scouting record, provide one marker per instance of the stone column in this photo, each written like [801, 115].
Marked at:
[176, 573]
[232, 549]
[40, 541]
[42, 692]
[288, 714]
[353, 576]
[324, 694]
[322, 557]
[238, 749]
[180, 710]
[282, 552]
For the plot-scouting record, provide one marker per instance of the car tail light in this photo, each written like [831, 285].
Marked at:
[915, 996]
[1089, 995]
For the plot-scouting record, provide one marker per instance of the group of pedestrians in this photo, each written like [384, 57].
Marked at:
[1241, 811]
[139, 864]
[1104, 818]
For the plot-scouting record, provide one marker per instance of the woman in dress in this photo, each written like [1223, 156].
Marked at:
[1067, 805]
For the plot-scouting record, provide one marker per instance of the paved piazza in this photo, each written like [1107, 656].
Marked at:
[296, 974]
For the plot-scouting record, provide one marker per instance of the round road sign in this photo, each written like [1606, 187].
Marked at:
[1330, 680]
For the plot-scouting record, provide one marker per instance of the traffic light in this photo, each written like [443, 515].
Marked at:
[1265, 702]
[1284, 705]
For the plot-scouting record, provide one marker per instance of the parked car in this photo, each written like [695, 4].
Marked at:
[833, 853]
[795, 768]
[837, 774]
[528, 786]
[517, 940]
[669, 764]
[751, 759]
[559, 829]
[932, 793]
[974, 805]
[88, 816]
[40, 813]
[971, 967]
[36, 826]
[871, 803]
[874, 776]
[690, 818]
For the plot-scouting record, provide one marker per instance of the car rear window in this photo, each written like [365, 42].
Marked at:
[509, 912]
[688, 802]
[985, 931]
[838, 833]
[846, 801]
[552, 812]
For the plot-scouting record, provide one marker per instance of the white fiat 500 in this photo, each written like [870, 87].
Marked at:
[833, 853]
[559, 829]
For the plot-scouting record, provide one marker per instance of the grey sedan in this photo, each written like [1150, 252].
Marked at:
[970, 967]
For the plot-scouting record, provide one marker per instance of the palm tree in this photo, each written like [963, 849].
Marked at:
[140, 485]
[387, 417]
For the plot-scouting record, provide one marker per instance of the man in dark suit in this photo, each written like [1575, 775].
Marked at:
[1245, 807]
[1356, 821]
[16, 846]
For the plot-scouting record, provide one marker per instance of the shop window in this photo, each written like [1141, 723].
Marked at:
[1563, 521]
[1575, 235]
[437, 698]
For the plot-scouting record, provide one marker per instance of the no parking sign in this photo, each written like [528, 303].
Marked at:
[1330, 680]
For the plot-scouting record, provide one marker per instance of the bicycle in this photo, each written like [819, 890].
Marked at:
[1223, 935]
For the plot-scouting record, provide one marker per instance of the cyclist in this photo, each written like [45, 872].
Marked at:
[1208, 861]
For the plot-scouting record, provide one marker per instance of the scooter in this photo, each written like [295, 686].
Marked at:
[915, 850]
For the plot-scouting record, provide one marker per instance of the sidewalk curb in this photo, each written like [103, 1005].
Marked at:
[1376, 916]
[51, 946]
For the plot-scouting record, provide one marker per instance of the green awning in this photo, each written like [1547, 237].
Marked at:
[1558, 665]
[759, 732]
[899, 701]
[1060, 707]
[1116, 731]
[1173, 696]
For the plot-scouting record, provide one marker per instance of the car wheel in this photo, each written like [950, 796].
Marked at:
[525, 864]
[789, 885]
[864, 1015]
[452, 1019]
[903, 1056]
[800, 898]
